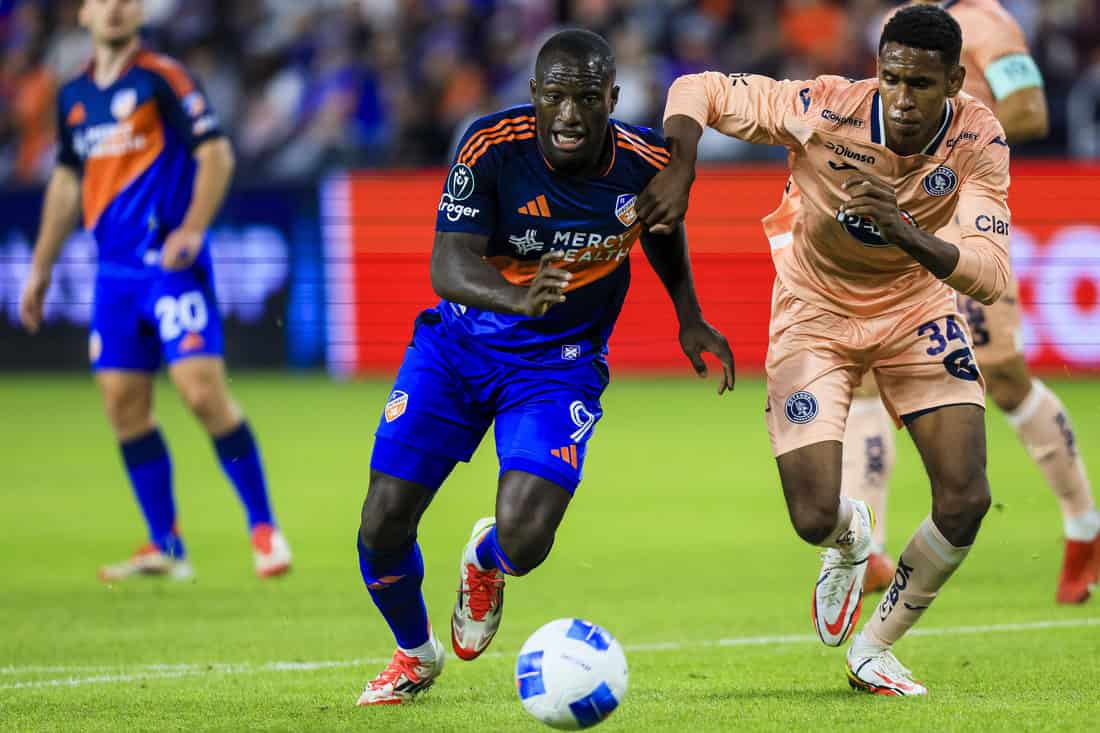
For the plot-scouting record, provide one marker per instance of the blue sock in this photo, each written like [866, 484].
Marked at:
[240, 459]
[394, 579]
[491, 555]
[150, 469]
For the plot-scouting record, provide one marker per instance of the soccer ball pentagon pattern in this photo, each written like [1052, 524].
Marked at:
[571, 674]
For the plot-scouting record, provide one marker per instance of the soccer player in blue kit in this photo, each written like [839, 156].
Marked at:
[533, 234]
[142, 154]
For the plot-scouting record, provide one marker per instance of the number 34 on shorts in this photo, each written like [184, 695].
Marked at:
[946, 336]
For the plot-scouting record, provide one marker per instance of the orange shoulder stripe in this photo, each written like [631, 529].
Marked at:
[169, 69]
[644, 155]
[489, 131]
[512, 136]
[658, 152]
[487, 141]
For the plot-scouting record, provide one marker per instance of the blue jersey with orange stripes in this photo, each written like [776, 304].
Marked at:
[502, 186]
[132, 142]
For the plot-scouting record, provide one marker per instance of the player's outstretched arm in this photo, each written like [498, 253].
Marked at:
[59, 217]
[668, 256]
[461, 275]
[214, 171]
[664, 202]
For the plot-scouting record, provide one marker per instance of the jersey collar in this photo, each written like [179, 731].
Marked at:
[878, 125]
[130, 61]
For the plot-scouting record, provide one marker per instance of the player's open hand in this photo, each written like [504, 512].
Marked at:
[180, 249]
[874, 199]
[699, 337]
[32, 302]
[548, 287]
[664, 202]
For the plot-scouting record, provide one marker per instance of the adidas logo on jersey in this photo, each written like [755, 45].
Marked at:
[536, 207]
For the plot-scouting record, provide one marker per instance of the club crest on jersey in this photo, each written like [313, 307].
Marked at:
[624, 209]
[123, 103]
[460, 182]
[866, 230]
[941, 181]
[801, 407]
[396, 405]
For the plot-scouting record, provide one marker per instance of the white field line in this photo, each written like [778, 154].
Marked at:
[140, 672]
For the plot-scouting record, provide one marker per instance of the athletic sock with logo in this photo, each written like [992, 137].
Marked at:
[923, 567]
[1043, 425]
[869, 460]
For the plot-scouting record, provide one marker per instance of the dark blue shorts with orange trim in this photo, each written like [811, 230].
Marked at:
[140, 322]
[449, 391]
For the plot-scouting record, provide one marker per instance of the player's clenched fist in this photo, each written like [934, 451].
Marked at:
[180, 249]
[664, 202]
[548, 287]
[872, 198]
[32, 302]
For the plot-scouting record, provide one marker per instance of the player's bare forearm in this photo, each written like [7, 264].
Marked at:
[1023, 115]
[461, 275]
[668, 256]
[212, 177]
[938, 256]
[664, 201]
[60, 213]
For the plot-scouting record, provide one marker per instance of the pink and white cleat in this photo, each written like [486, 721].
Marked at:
[270, 551]
[404, 677]
[480, 604]
[147, 560]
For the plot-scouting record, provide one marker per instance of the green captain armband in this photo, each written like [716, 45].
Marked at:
[1012, 73]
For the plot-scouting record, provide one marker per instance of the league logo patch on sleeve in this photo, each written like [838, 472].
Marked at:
[624, 209]
[194, 104]
[460, 182]
[396, 405]
[941, 182]
[801, 408]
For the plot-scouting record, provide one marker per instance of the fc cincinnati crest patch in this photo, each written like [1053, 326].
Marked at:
[624, 209]
[801, 407]
[941, 181]
[395, 408]
[123, 103]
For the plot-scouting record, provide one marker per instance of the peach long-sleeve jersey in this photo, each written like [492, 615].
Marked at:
[834, 130]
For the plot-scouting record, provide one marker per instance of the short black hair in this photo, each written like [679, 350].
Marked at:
[579, 44]
[927, 27]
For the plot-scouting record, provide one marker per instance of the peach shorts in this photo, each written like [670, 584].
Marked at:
[920, 358]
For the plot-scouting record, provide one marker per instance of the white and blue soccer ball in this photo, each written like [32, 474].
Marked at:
[571, 674]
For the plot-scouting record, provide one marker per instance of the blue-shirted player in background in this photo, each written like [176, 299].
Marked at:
[533, 234]
[142, 154]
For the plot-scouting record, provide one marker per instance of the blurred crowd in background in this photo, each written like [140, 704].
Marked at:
[304, 86]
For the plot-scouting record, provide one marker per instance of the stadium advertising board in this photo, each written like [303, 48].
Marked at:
[267, 274]
[378, 231]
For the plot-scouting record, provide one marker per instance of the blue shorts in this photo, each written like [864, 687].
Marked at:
[140, 322]
[448, 392]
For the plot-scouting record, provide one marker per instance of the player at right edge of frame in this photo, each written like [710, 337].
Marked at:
[862, 285]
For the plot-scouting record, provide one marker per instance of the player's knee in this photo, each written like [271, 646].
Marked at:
[388, 519]
[526, 543]
[128, 412]
[959, 513]
[203, 397]
[1008, 387]
[814, 521]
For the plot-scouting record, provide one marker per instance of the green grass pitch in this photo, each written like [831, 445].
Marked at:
[677, 542]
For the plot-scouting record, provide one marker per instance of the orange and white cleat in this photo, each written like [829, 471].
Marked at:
[877, 671]
[404, 678]
[480, 603]
[880, 572]
[148, 560]
[838, 594]
[270, 551]
[1080, 570]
